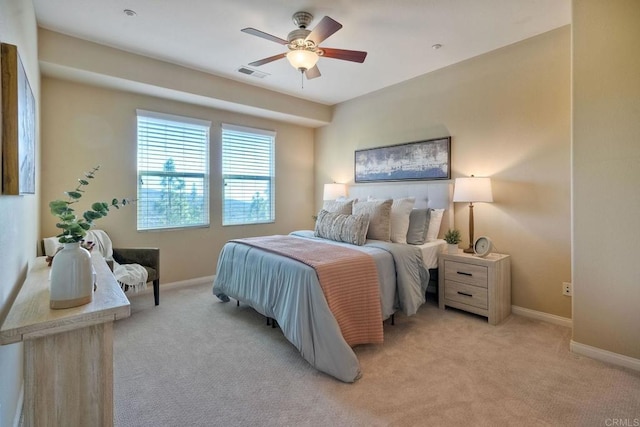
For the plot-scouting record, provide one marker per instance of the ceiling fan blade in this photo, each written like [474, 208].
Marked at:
[264, 35]
[267, 60]
[345, 55]
[323, 30]
[312, 73]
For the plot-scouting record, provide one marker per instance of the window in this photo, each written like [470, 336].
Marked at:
[247, 175]
[173, 171]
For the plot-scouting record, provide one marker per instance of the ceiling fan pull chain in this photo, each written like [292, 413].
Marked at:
[302, 79]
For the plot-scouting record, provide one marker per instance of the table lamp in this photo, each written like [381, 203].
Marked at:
[472, 190]
[334, 191]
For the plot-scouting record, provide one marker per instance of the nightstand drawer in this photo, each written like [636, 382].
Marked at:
[466, 294]
[465, 273]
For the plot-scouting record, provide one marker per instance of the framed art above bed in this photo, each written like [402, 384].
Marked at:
[420, 160]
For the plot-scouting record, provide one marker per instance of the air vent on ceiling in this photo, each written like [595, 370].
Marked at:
[251, 72]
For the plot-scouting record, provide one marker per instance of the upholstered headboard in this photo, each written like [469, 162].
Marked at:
[436, 195]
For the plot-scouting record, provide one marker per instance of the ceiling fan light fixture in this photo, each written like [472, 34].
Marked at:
[301, 59]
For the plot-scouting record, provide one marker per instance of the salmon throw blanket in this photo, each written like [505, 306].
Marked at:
[348, 279]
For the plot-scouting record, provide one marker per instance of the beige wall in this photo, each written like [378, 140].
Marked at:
[86, 125]
[508, 113]
[606, 174]
[18, 214]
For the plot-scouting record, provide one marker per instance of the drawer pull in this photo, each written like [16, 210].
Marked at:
[465, 294]
[464, 274]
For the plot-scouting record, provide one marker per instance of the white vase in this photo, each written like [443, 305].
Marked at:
[71, 277]
[452, 248]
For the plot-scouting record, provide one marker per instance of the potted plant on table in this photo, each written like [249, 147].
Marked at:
[452, 237]
[71, 270]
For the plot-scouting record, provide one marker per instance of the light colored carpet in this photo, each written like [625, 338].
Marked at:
[193, 361]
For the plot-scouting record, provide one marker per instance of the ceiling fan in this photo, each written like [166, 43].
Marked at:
[303, 45]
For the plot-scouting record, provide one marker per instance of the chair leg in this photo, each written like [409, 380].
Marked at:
[156, 291]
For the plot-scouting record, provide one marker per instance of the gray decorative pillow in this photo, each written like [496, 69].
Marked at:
[418, 226]
[342, 228]
[338, 206]
[379, 212]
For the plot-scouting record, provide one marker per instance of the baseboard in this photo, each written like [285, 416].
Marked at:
[174, 285]
[604, 355]
[18, 417]
[189, 282]
[540, 315]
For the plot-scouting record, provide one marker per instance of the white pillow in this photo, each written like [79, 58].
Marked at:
[400, 211]
[435, 220]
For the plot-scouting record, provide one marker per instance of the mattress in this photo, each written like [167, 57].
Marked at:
[430, 251]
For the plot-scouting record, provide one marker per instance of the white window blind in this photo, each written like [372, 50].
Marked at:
[247, 175]
[173, 171]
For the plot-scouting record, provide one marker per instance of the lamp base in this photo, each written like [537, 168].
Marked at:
[468, 250]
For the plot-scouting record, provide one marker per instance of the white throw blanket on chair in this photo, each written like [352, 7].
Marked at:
[132, 275]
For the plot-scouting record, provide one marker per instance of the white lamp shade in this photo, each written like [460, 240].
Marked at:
[333, 191]
[302, 59]
[473, 189]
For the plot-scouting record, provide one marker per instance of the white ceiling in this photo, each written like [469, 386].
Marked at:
[397, 34]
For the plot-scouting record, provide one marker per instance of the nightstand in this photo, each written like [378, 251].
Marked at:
[477, 285]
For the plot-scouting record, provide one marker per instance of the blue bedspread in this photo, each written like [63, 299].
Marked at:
[288, 291]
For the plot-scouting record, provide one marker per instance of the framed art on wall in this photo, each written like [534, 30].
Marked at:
[18, 126]
[420, 160]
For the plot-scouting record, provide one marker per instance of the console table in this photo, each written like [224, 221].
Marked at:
[68, 354]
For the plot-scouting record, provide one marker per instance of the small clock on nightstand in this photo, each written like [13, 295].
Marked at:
[482, 246]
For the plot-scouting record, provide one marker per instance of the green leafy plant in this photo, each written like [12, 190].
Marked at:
[452, 236]
[74, 228]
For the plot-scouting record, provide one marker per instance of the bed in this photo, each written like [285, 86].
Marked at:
[288, 288]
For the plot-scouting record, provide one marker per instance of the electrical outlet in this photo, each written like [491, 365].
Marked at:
[567, 289]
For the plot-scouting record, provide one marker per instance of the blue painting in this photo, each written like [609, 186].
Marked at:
[420, 160]
[26, 134]
[18, 125]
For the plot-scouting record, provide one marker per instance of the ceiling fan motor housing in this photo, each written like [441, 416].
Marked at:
[297, 38]
[302, 19]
